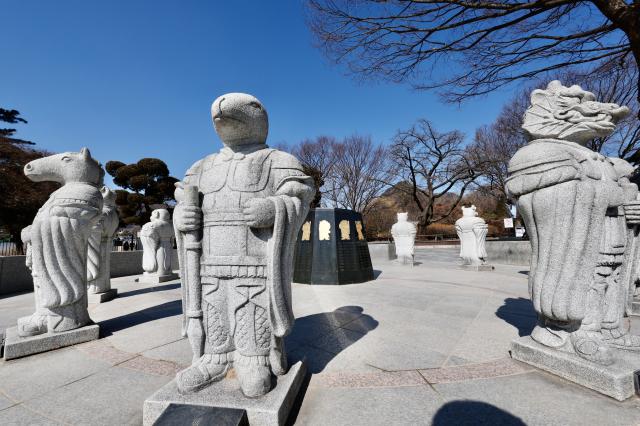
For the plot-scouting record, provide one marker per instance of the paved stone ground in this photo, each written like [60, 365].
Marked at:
[421, 345]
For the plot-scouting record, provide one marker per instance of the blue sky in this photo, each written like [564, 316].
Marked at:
[133, 79]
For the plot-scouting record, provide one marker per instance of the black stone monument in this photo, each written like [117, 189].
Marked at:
[197, 415]
[332, 249]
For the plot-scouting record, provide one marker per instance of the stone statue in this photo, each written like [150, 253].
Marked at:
[573, 202]
[59, 237]
[40, 312]
[238, 215]
[472, 231]
[99, 252]
[157, 243]
[404, 238]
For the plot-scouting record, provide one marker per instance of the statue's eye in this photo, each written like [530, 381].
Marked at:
[66, 159]
[255, 105]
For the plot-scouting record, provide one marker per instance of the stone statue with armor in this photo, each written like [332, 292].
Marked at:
[238, 214]
[575, 204]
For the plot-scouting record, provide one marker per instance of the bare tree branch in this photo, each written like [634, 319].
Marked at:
[431, 165]
[482, 45]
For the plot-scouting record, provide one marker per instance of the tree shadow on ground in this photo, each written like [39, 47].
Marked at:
[468, 412]
[164, 310]
[519, 313]
[318, 338]
[149, 290]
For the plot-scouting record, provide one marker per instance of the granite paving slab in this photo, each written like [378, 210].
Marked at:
[409, 405]
[110, 397]
[536, 399]
[25, 378]
[499, 367]
[19, 415]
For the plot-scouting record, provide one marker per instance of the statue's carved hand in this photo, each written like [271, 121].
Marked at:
[632, 212]
[187, 218]
[259, 212]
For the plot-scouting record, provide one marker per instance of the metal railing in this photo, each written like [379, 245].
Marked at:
[8, 248]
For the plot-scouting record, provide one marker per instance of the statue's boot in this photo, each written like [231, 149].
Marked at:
[621, 339]
[591, 346]
[277, 356]
[553, 337]
[32, 325]
[254, 374]
[206, 370]
[68, 317]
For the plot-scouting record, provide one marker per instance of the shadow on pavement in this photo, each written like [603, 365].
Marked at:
[519, 313]
[320, 337]
[474, 413]
[149, 290]
[164, 310]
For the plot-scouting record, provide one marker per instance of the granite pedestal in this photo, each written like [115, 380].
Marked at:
[477, 267]
[157, 279]
[102, 297]
[16, 346]
[616, 381]
[405, 261]
[270, 409]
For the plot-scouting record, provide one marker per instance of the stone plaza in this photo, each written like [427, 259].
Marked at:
[422, 345]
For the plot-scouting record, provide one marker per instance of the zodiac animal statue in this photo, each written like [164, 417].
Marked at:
[238, 215]
[156, 237]
[573, 201]
[472, 231]
[404, 238]
[59, 236]
[100, 247]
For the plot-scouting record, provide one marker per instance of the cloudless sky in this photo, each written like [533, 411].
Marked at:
[133, 79]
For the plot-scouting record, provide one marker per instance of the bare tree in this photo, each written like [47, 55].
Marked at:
[482, 45]
[495, 144]
[614, 83]
[318, 159]
[432, 166]
[359, 175]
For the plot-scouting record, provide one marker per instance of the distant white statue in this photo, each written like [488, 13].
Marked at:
[404, 238]
[472, 231]
[156, 237]
[99, 253]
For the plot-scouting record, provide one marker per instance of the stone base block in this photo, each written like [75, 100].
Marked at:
[157, 279]
[102, 297]
[635, 308]
[408, 261]
[477, 267]
[16, 346]
[271, 409]
[616, 381]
